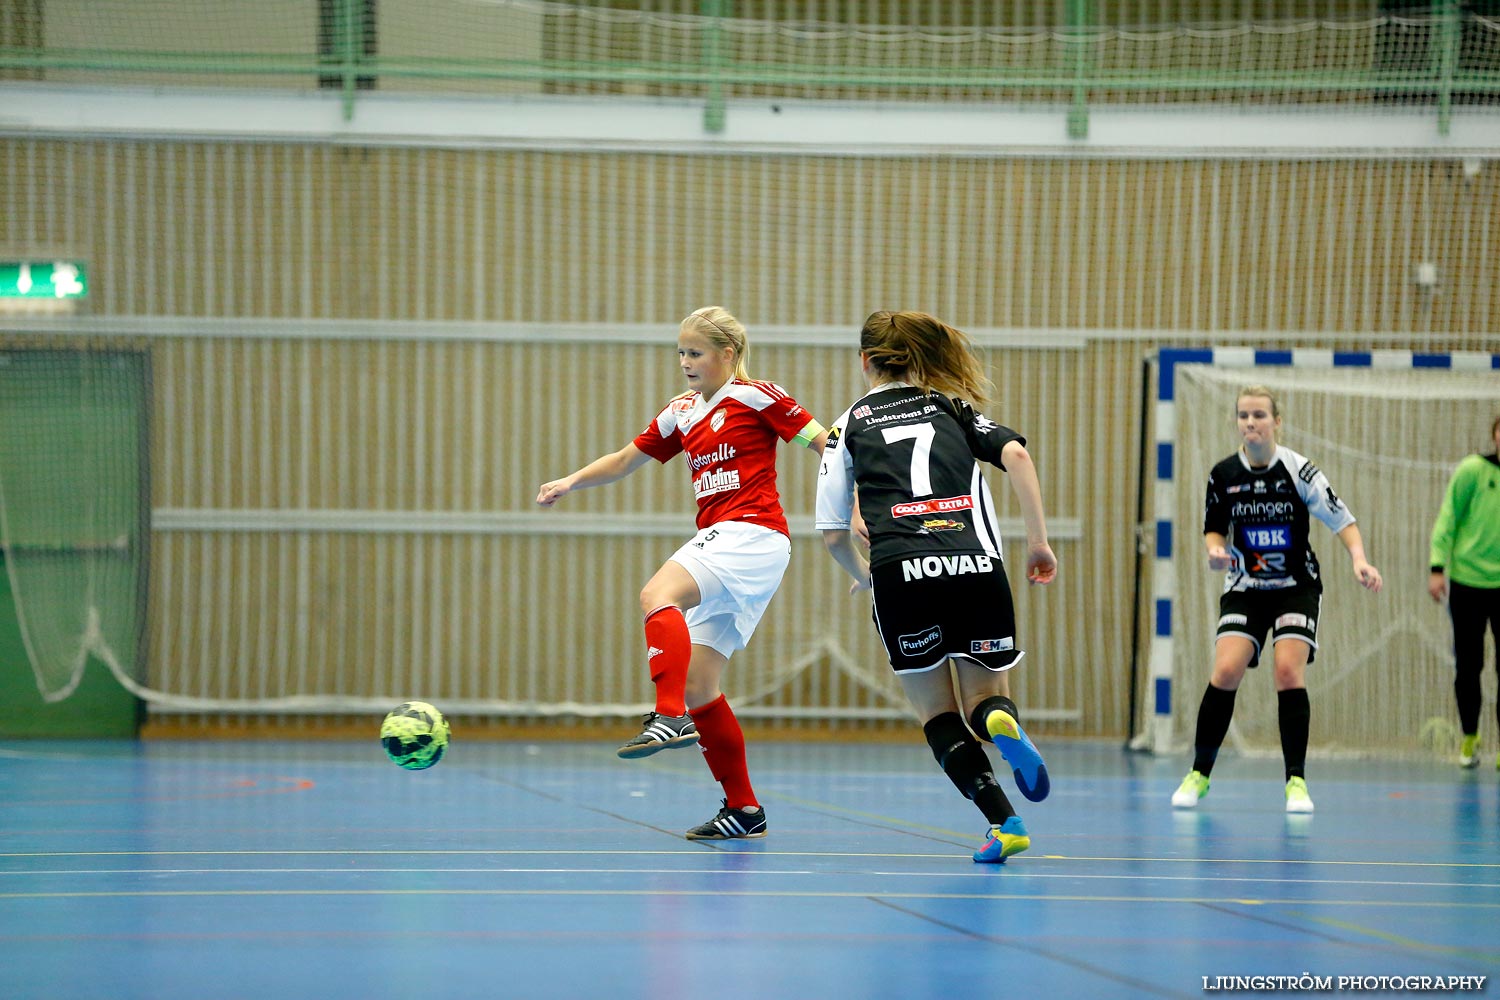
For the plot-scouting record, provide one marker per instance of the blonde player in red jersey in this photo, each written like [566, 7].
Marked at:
[705, 601]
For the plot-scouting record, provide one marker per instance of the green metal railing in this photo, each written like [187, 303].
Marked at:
[1075, 74]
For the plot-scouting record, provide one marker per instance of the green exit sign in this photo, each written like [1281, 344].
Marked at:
[42, 279]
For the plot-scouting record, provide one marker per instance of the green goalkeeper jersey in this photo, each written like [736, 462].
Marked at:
[1466, 535]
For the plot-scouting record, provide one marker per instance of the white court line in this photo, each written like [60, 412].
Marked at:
[689, 852]
[974, 873]
[766, 894]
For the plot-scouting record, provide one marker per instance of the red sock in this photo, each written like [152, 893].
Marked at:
[723, 745]
[668, 650]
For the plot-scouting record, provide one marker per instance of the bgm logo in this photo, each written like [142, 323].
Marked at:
[992, 645]
[915, 642]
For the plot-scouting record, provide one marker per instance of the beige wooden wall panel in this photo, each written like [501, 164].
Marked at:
[1307, 246]
[548, 620]
[1178, 250]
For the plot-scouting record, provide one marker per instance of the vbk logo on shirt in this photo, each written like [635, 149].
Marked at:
[1269, 538]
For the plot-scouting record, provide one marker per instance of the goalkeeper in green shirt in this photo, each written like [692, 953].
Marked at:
[1466, 571]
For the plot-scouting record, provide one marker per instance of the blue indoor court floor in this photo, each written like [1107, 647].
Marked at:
[218, 871]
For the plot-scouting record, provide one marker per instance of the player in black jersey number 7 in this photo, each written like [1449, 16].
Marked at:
[1255, 525]
[935, 565]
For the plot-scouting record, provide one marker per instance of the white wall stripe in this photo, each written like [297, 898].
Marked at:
[428, 522]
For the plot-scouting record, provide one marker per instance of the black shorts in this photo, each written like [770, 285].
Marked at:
[928, 608]
[1287, 614]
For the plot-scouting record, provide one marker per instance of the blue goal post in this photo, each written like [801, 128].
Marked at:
[1158, 734]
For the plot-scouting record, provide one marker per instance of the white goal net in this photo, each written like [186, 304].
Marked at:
[1388, 440]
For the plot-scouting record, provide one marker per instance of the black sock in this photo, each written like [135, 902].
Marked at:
[1214, 713]
[964, 762]
[1294, 713]
[984, 708]
[991, 800]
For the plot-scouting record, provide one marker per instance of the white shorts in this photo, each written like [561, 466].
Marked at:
[737, 566]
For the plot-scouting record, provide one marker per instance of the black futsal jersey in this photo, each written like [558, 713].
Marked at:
[1263, 515]
[915, 456]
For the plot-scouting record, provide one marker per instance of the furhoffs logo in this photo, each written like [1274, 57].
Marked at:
[916, 642]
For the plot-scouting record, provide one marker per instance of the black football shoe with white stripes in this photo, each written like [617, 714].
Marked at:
[661, 732]
[732, 824]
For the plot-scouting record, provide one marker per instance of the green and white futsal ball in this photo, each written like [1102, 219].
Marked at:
[415, 735]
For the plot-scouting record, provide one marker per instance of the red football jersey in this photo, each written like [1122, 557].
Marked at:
[730, 444]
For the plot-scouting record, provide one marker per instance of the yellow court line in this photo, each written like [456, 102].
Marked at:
[1281, 861]
[1400, 940]
[751, 894]
[685, 851]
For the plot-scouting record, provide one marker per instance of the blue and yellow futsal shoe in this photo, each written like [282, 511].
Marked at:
[1020, 753]
[1006, 839]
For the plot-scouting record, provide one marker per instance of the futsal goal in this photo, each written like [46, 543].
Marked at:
[1387, 427]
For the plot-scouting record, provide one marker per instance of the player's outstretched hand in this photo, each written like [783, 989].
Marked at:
[1368, 576]
[1041, 564]
[552, 492]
